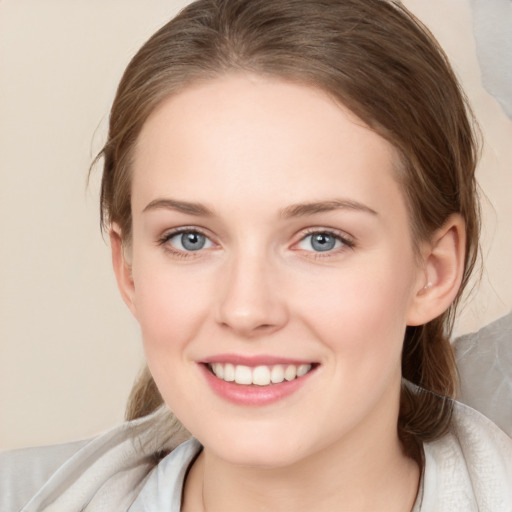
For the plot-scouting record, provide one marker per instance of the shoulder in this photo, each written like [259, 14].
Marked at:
[24, 471]
[470, 468]
[105, 473]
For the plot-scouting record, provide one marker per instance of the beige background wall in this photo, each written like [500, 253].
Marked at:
[69, 350]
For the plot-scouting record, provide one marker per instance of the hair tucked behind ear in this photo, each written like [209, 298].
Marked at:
[376, 59]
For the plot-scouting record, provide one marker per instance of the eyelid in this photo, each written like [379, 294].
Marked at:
[171, 233]
[347, 241]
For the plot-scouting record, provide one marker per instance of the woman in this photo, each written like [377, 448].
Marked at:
[290, 197]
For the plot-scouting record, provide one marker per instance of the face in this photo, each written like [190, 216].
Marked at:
[271, 245]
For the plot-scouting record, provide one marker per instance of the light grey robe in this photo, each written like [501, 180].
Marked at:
[468, 470]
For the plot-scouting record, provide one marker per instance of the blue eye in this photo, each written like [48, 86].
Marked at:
[320, 242]
[189, 241]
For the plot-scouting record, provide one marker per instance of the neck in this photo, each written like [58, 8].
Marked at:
[375, 475]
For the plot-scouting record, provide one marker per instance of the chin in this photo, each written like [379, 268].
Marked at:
[257, 446]
[256, 455]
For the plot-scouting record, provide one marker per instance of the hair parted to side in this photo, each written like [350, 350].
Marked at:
[375, 58]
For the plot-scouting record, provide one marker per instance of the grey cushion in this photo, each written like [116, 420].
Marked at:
[484, 360]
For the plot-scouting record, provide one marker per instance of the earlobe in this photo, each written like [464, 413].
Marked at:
[443, 268]
[122, 268]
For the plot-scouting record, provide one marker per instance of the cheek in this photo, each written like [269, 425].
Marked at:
[170, 305]
[170, 310]
[362, 311]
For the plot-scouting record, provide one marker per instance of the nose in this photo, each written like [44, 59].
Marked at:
[250, 302]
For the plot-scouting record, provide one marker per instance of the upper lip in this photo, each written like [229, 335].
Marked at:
[255, 360]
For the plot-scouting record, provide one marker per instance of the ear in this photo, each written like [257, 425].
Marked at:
[122, 268]
[443, 268]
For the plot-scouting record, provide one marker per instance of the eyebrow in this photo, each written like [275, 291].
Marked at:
[294, 210]
[302, 209]
[196, 209]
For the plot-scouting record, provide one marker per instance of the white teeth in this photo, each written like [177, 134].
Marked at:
[291, 372]
[259, 375]
[303, 369]
[243, 375]
[229, 373]
[277, 374]
[218, 369]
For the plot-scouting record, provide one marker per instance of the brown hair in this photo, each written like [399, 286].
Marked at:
[374, 57]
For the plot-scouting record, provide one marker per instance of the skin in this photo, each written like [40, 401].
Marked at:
[248, 150]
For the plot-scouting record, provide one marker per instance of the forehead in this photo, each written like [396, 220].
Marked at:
[248, 132]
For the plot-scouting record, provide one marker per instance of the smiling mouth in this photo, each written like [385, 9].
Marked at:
[259, 375]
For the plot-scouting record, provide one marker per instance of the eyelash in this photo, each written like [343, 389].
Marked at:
[347, 243]
[171, 234]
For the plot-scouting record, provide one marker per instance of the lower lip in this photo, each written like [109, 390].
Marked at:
[253, 395]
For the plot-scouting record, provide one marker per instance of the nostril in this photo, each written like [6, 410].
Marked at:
[264, 327]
